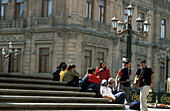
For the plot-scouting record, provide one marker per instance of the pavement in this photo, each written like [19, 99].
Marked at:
[158, 109]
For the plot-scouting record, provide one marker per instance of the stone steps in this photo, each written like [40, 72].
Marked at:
[50, 99]
[31, 81]
[45, 93]
[30, 92]
[60, 106]
[31, 76]
[37, 87]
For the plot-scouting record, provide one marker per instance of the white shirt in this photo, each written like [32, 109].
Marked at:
[106, 92]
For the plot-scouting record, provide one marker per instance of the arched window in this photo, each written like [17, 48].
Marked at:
[163, 28]
[44, 60]
[46, 8]
[87, 59]
[89, 9]
[3, 9]
[16, 62]
[19, 9]
[101, 11]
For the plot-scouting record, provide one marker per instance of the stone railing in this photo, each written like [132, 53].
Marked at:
[42, 21]
[11, 24]
[94, 25]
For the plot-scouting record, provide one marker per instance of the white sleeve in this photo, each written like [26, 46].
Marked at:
[104, 92]
[110, 93]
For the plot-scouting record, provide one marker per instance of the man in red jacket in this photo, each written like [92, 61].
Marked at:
[90, 82]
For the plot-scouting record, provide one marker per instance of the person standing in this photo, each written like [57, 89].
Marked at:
[144, 74]
[123, 79]
[102, 71]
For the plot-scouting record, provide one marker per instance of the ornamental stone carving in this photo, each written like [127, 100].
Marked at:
[16, 37]
[28, 35]
[95, 40]
[43, 36]
[142, 50]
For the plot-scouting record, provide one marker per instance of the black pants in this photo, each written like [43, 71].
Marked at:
[74, 82]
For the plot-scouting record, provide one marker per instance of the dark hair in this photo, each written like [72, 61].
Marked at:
[126, 62]
[61, 65]
[143, 61]
[100, 66]
[91, 70]
[71, 66]
[64, 67]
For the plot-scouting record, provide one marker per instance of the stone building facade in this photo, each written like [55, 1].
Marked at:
[47, 32]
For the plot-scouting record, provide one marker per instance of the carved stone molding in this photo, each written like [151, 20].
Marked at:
[43, 36]
[28, 35]
[16, 37]
[141, 49]
[72, 34]
[95, 40]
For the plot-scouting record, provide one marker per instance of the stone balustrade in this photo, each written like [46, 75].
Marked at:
[11, 24]
[42, 21]
[95, 25]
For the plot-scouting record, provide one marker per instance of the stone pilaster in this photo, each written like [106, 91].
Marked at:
[27, 53]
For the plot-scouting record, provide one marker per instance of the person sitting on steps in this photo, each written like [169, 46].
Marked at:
[118, 98]
[91, 83]
[71, 76]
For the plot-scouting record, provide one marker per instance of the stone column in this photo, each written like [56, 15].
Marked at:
[156, 69]
[11, 9]
[27, 53]
[150, 38]
[110, 57]
[158, 26]
[96, 10]
[30, 11]
[79, 54]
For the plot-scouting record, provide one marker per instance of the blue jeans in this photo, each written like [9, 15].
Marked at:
[94, 88]
[120, 98]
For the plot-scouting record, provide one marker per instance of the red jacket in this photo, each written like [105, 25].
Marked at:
[94, 79]
[103, 74]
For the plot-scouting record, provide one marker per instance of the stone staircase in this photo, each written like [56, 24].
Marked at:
[30, 92]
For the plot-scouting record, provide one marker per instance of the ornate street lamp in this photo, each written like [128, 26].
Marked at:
[116, 24]
[120, 26]
[146, 25]
[130, 9]
[8, 53]
[139, 22]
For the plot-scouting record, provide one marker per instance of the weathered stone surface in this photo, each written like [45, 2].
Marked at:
[68, 33]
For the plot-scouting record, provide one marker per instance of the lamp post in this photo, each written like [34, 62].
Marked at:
[116, 24]
[167, 58]
[8, 53]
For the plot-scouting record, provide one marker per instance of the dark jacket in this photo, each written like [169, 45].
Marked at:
[56, 76]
